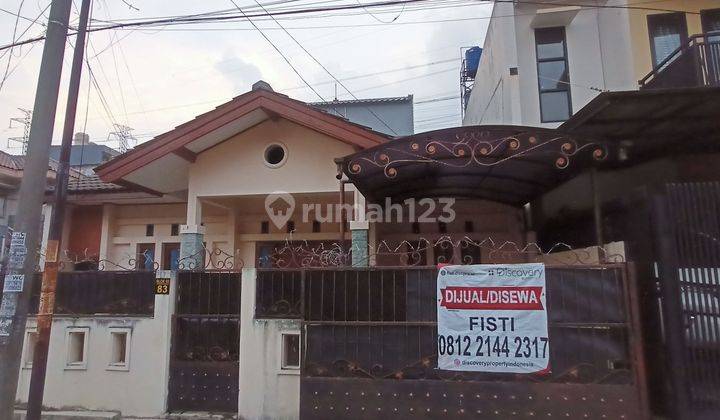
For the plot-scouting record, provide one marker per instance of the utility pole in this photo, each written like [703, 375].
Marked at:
[26, 235]
[54, 242]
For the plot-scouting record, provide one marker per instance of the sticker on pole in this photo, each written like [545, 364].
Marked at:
[492, 318]
[13, 283]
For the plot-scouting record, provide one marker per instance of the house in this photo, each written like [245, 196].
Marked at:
[541, 63]
[299, 250]
[84, 154]
[391, 116]
[11, 173]
[641, 78]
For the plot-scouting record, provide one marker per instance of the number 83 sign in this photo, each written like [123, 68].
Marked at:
[162, 286]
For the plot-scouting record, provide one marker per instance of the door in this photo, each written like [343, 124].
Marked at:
[204, 357]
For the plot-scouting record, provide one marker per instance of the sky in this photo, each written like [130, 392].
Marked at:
[153, 79]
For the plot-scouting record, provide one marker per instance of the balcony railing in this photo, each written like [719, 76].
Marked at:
[694, 64]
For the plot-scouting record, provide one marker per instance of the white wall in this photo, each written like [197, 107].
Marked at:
[265, 391]
[139, 391]
[599, 58]
[495, 90]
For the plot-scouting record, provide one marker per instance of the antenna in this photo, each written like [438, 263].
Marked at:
[25, 121]
[123, 135]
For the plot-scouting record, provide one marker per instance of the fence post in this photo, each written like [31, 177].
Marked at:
[664, 232]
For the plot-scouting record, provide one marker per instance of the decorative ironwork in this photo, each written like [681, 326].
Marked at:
[473, 148]
[303, 254]
[86, 261]
[211, 259]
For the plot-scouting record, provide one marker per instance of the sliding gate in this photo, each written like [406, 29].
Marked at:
[687, 221]
[205, 342]
[370, 350]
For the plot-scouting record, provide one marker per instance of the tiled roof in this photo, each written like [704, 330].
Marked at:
[91, 183]
[17, 163]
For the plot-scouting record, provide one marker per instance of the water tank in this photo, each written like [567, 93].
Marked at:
[472, 60]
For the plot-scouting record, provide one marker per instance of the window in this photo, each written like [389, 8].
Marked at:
[442, 227]
[149, 230]
[668, 31]
[553, 74]
[145, 259]
[119, 348]
[290, 351]
[77, 343]
[170, 256]
[174, 229]
[275, 155]
[711, 24]
[31, 338]
[265, 227]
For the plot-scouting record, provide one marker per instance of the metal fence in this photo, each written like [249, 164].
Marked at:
[689, 255]
[370, 332]
[100, 293]
[204, 358]
[695, 64]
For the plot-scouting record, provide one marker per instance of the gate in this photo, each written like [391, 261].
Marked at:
[370, 350]
[687, 221]
[204, 357]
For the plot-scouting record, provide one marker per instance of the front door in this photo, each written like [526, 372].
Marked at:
[204, 357]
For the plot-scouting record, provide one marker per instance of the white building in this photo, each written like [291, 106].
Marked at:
[543, 63]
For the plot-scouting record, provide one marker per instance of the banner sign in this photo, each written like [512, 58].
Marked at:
[492, 318]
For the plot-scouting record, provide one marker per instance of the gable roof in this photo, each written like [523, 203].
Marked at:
[239, 114]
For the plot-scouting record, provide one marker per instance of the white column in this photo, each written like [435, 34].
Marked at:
[108, 220]
[192, 255]
[47, 211]
[359, 231]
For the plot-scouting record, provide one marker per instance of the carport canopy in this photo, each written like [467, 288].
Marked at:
[506, 164]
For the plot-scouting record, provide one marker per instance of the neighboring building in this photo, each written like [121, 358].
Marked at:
[11, 173]
[215, 210]
[85, 155]
[543, 63]
[391, 116]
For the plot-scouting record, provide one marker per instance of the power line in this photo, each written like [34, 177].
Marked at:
[209, 16]
[325, 68]
[279, 52]
[14, 38]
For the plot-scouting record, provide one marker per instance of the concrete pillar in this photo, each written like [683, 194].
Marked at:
[47, 216]
[108, 218]
[359, 232]
[192, 234]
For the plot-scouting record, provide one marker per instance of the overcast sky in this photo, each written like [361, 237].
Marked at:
[156, 78]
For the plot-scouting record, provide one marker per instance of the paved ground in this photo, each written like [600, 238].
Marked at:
[111, 415]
